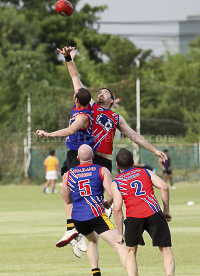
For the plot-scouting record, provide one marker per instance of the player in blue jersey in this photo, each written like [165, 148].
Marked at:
[79, 132]
[84, 186]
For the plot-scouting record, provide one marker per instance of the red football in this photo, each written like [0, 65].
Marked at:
[64, 8]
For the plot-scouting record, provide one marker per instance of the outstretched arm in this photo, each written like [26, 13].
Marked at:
[80, 122]
[72, 68]
[138, 139]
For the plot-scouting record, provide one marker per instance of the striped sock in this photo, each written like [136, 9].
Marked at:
[70, 224]
[96, 272]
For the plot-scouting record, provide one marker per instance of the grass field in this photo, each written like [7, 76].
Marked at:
[32, 222]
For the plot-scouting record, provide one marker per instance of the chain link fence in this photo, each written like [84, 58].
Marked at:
[185, 161]
[185, 158]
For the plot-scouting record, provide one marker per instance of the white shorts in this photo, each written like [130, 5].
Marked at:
[51, 175]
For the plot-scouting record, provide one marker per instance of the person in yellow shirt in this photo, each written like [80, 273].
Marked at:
[51, 164]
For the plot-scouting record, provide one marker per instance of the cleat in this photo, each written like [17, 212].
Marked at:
[68, 236]
[46, 191]
[77, 252]
[109, 211]
[82, 245]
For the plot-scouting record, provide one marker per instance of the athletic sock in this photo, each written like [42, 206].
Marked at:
[44, 189]
[70, 224]
[96, 272]
[53, 190]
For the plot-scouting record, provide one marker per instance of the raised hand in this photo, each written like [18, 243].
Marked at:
[73, 54]
[66, 50]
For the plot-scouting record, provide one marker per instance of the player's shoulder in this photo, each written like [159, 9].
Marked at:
[98, 168]
[104, 169]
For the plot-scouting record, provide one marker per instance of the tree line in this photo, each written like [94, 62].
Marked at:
[30, 65]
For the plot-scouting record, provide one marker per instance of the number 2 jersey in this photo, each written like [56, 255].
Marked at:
[86, 187]
[136, 188]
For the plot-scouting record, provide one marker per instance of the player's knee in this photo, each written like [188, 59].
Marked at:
[166, 250]
[92, 238]
[132, 250]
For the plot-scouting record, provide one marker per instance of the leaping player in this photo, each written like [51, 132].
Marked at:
[79, 132]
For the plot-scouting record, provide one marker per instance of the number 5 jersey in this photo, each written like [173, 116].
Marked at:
[86, 187]
[137, 191]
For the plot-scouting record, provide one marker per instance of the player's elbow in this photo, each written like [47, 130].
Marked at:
[165, 188]
[68, 201]
[70, 132]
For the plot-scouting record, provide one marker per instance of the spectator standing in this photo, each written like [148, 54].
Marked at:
[51, 164]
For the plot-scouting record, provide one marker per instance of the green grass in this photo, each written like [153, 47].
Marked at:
[32, 222]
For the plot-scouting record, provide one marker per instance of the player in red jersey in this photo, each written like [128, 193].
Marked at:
[105, 120]
[105, 123]
[143, 212]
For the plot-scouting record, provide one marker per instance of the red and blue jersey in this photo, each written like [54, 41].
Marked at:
[104, 128]
[137, 191]
[86, 187]
[81, 136]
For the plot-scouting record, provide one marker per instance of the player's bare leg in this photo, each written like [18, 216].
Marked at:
[68, 210]
[110, 237]
[46, 185]
[165, 178]
[170, 178]
[131, 263]
[71, 231]
[171, 182]
[168, 259]
[92, 251]
[53, 185]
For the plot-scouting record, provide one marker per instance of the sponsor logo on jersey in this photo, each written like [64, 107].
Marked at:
[105, 121]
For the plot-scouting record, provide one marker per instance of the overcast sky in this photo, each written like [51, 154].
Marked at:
[146, 10]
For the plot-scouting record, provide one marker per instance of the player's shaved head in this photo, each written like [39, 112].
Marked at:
[85, 153]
